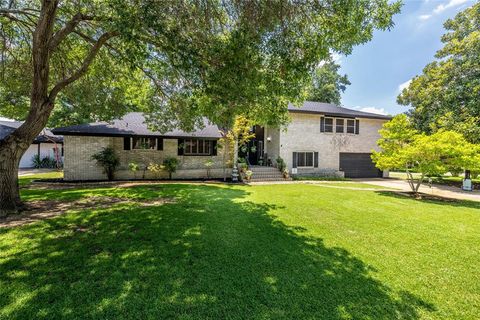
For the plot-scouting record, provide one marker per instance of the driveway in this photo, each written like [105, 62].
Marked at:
[29, 172]
[437, 190]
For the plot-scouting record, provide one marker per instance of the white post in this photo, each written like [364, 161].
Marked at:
[235, 160]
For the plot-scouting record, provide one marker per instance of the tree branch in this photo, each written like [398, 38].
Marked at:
[68, 28]
[85, 64]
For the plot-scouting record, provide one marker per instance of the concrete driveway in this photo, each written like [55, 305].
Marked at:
[437, 190]
[29, 172]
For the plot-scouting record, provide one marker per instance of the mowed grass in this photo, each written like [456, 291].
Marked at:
[244, 252]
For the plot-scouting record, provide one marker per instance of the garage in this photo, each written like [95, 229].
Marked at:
[358, 165]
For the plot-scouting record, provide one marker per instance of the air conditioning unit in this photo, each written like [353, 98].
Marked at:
[294, 170]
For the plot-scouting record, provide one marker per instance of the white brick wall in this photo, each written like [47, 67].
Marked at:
[303, 134]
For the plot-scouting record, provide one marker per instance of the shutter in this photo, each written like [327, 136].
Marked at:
[126, 143]
[213, 150]
[294, 160]
[181, 145]
[322, 124]
[159, 143]
[357, 126]
[315, 159]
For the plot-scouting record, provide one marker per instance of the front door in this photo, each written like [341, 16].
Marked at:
[254, 150]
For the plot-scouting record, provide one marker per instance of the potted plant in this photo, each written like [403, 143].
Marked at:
[285, 173]
[248, 175]
[109, 160]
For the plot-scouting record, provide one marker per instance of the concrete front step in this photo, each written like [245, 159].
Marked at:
[269, 179]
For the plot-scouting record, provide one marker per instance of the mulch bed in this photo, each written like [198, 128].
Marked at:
[45, 209]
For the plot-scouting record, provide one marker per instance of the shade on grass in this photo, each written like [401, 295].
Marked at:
[278, 251]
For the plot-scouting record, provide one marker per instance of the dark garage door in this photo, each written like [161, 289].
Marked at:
[358, 165]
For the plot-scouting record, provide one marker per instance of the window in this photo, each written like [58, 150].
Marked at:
[304, 159]
[144, 143]
[198, 147]
[350, 126]
[339, 123]
[328, 124]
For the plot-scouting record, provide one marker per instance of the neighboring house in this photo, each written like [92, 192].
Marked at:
[44, 144]
[322, 139]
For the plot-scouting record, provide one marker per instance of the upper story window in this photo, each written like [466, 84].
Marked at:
[144, 143]
[327, 124]
[339, 125]
[197, 147]
[350, 126]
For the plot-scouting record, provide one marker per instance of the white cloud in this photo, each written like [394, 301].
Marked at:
[337, 58]
[371, 110]
[450, 4]
[404, 85]
[425, 17]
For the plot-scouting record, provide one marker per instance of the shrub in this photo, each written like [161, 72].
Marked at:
[134, 167]
[156, 169]
[45, 162]
[281, 164]
[170, 164]
[248, 175]
[108, 160]
[208, 164]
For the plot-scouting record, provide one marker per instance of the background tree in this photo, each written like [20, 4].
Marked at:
[180, 61]
[327, 84]
[447, 94]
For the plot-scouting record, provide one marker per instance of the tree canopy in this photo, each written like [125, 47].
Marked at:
[447, 94]
[402, 147]
[182, 60]
[327, 83]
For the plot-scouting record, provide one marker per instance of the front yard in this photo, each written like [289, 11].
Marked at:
[193, 251]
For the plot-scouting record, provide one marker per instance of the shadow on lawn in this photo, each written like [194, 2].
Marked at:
[212, 254]
[432, 199]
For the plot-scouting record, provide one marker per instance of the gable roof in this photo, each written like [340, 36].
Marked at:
[7, 127]
[333, 110]
[133, 124]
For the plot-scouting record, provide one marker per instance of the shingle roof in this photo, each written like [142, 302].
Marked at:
[7, 127]
[334, 110]
[133, 124]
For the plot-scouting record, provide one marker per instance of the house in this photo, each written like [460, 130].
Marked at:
[46, 144]
[322, 139]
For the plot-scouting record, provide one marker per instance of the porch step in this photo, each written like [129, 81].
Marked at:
[260, 173]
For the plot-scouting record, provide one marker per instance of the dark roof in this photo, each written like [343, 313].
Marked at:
[334, 110]
[133, 124]
[7, 127]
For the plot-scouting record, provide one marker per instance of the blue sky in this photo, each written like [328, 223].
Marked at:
[378, 68]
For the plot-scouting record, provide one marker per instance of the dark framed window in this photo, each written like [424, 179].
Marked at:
[328, 124]
[339, 125]
[350, 126]
[304, 159]
[197, 147]
[144, 143]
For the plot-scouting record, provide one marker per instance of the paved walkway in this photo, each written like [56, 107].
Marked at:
[437, 190]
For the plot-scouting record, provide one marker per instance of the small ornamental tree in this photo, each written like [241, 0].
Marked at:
[108, 160]
[428, 155]
[170, 164]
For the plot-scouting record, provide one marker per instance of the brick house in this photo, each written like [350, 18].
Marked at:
[322, 139]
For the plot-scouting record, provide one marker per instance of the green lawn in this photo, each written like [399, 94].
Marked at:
[257, 252]
[449, 180]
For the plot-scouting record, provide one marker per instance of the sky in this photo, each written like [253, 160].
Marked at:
[381, 67]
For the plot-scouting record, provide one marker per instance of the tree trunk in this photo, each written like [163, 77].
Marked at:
[11, 150]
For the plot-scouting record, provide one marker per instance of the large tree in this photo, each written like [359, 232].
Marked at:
[177, 60]
[327, 83]
[447, 94]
